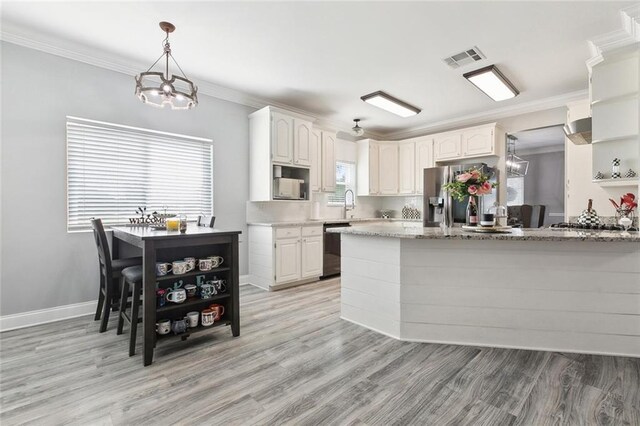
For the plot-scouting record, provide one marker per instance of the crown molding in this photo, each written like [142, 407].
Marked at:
[629, 34]
[491, 115]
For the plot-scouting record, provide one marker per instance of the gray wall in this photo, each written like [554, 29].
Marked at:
[43, 266]
[544, 183]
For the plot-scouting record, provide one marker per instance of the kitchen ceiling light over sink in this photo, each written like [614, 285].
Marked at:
[391, 104]
[357, 130]
[492, 83]
[159, 89]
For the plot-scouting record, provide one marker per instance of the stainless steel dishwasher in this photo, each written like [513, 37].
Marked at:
[331, 258]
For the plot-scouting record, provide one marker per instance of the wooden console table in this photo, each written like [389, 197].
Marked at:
[167, 246]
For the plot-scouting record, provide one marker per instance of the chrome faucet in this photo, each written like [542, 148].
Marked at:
[353, 202]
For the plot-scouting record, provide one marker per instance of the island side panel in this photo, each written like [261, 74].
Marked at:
[370, 282]
[574, 296]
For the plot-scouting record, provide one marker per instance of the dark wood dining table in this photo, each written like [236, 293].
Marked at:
[165, 246]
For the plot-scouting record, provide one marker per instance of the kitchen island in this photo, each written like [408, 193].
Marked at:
[542, 289]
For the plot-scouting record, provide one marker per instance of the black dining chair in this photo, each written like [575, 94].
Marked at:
[131, 284]
[110, 274]
[206, 221]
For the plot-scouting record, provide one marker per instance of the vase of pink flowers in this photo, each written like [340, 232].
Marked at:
[470, 184]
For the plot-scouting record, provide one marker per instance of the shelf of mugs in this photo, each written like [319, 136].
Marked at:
[172, 276]
[192, 302]
[192, 322]
[197, 329]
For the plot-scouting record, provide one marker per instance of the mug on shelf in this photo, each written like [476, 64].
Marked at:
[163, 327]
[163, 269]
[178, 295]
[207, 290]
[180, 267]
[220, 285]
[179, 326]
[208, 317]
[191, 261]
[205, 264]
[217, 261]
[192, 319]
[191, 289]
[160, 296]
[218, 310]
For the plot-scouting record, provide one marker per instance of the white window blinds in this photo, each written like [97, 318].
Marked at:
[345, 179]
[112, 170]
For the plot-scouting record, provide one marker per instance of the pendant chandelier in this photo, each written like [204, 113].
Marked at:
[159, 88]
[357, 130]
[516, 166]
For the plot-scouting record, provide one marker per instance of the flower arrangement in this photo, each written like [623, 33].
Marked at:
[627, 203]
[470, 182]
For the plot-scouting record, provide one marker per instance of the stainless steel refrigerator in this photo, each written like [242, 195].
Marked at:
[439, 207]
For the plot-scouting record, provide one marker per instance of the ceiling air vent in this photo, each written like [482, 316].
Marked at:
[464, 58]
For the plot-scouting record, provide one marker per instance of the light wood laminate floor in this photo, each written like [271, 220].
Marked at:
[296, 362]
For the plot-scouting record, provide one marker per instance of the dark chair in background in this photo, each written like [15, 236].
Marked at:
[526, 216]
[110, 274]
[206, 221]
[131, 284]
[537, 216]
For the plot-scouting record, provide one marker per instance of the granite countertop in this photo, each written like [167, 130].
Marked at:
[546, 234]
[311, 222]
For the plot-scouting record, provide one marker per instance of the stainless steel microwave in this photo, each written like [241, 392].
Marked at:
[287, 189]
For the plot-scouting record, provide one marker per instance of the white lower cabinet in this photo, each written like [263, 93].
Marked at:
[283, 256]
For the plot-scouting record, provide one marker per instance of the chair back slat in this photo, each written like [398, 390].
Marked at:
[104, 255]
[206, 221]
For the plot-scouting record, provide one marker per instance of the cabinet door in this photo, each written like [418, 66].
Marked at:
[282, 138]
[388, 169]
[374, 169]
[424, 160]
[315, 157]
[447, 147]
[302, 143]
[478, 142]
[406, 168]
[328, 162]
[312, 254]
[287, 260]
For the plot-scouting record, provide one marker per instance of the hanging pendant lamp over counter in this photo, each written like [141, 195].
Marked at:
[159, 88]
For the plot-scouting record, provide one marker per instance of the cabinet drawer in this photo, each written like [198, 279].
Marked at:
[291, 232]
[308, 231]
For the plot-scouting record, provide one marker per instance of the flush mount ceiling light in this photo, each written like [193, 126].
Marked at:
[491, 81]
[391, 104]
[357, 130]
[159, 89]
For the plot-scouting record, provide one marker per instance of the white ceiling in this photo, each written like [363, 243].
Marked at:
[322, 56]
[545, 137]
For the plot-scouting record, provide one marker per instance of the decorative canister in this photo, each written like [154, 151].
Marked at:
[615, 168]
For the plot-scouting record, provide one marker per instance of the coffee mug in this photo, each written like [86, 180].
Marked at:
[207, 290]
[180, 267]
[163, 269]
[218, 310]
[179, 326]
[205, 264]
[163, 327]
[191, 289]
[217, 261]
[160, 294]
[192, 319]
[220, 285]
[177, 296]
[208, 317]
[191, 261]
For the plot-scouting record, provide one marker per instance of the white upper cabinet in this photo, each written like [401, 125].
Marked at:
[282, 138]
[406, 168]
[447, 146]
[302, 143]
[315, 160]
[374, 169]
[478, 142]
[424, 160]
[388, 173]
[328, 179]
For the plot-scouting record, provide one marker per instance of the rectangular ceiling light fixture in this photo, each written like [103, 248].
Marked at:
[491, 81]
[391, 104]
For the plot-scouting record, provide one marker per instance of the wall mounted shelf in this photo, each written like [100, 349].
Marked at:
[617, 182]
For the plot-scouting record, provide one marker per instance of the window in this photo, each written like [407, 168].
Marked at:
[112, 170]
[345, 179]
[515, 191]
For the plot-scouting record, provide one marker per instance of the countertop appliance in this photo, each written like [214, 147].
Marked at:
[287, 189]
[439, 206]
[331, 257]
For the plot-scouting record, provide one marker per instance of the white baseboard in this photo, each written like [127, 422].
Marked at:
[43, 316]
[59, 313]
